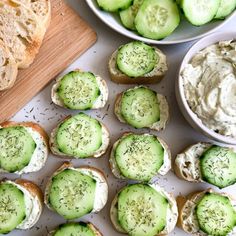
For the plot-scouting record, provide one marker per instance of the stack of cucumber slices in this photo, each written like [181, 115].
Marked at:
[157, 19]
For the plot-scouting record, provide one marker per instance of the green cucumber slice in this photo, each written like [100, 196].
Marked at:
[216, 215]
[226, 7]
[12, 207]
[139, 156]
[17, 147]
[142, 210]
[156, 19]
[72, 194]
[113, 6]
[74, 229]
[136, 59]
[79, 136]
[128, 15]
[218, 165]
[200, 12]
[140, 107]
[78, 90]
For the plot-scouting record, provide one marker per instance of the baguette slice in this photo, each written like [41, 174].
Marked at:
[88, 224]
[102, 185]
[40, 137]
[21, 31]
[186, 206]
[155, 76]
[8, 68]
[173, 212]
[55, 150]
[33, 200]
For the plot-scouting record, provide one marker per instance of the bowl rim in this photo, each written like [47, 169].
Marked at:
[152, 41]
[201, 44]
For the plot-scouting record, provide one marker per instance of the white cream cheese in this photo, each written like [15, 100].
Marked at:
[102, 149]
[101, 191]
[166, 166]
[188, 161]
[158, 70]
[99, 102]
[33, 208]
[164, 113]
[210, 87]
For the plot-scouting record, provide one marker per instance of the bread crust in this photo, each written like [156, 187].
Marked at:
[121, 78]
[53, 147]
[36, 127]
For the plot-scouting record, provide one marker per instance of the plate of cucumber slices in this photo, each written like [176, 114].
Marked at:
[164, 21]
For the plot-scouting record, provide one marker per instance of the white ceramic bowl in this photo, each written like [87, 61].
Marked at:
[189, 115]
[184, 33]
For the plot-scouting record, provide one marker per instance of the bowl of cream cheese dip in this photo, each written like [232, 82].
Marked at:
[206, 87]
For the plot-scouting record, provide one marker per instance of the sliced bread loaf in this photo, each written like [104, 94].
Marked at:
[8, 68]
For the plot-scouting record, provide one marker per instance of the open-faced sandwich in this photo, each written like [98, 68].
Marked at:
[144, 209]
[207, 213]
[74, 192]
[21, 204]
[142, 107]
[79, 136]
[79, 90]
[140, 157]
[206, 162]
[137, 63]
[75, 228]
[23, 147]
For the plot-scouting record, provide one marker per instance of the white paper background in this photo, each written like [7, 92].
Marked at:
[178, 133]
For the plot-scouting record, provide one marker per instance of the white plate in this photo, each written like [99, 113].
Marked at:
[184, 33]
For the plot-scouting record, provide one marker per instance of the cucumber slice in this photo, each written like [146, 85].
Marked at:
[156, 19]
[78, 90]
[74, 229]
[128, 15]
[114, 5]
[218, 165]
[72, 194]
[139, 156]
[216, 215]
[140, 107]
[17, 147]
[79, 136]
[200, 12]
[136, 59]
[226, 7]
[12, 207]
[142, 210]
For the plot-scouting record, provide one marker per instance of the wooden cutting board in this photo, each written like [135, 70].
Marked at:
[67, 38]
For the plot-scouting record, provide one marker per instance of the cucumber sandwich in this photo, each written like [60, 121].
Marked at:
[76, 229]
[144, 209]
[75, 192]
[137, 63]
[21, 204]
[79, 90]
[207, 213]
[206, 162]
[79, 136]
[142, 107]
[24, 147]
[140, 157]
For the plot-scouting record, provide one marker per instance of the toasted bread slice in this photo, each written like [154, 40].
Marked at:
[8, 68]
[21, 31]
[186, 206]
[41, 139]
[155, 76]
[33, 200]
